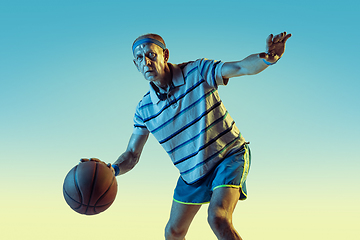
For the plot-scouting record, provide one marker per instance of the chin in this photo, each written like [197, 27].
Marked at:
[150, 78]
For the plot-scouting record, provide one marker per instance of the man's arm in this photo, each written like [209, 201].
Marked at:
[253, 64]
[131, 156]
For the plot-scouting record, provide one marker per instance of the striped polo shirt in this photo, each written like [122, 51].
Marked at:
[192, 124]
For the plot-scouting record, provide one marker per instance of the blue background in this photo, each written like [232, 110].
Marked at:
[69, 88]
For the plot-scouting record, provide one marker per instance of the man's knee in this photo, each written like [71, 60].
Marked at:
[219, 219]
[174, 232]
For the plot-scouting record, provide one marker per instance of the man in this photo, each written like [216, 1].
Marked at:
[185, 114]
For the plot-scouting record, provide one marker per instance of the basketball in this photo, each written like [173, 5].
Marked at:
[90, 187]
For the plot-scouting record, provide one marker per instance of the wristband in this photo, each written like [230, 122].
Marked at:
[116, 168]
[269, 63]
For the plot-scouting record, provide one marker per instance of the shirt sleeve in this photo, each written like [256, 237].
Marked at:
[139, 125]
[210, 70]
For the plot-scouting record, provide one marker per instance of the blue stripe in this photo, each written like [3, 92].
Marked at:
[168, 105]
[146, 97]
[206, 174]
[213, 74]
[191, 123]
[183, 111]
[205, 146]
[197, 136]
[207, 62]
[137, 116]
[176, 99]
[190, 72]
[148, 93]
[211, 157]
[147, 104]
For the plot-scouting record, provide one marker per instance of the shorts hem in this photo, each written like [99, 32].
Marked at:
[226, 185]
[242, 197]
[189, 203]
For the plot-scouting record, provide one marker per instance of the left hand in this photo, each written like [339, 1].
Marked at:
[275, 47]
[97, 160]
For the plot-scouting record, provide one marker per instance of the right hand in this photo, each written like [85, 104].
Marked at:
[99, 161]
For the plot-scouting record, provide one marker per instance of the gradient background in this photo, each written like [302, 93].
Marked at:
[68, 89]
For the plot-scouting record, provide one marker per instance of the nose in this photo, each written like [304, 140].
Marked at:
[147, 61]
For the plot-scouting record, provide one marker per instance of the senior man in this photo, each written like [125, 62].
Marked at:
[184, 112]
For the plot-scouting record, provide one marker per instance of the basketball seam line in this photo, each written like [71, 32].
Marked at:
[92, 186]
[102, 196]
[77, 185]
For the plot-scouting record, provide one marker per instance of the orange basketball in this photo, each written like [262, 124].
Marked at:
[90, 187]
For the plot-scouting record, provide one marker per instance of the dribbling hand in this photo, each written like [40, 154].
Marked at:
[97, 160]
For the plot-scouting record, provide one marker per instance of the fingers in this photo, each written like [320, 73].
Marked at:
[110, 166]
[95, 160]
[269, 40]
[269, 43]
[90, 159]
[278, 38]
[112, 169]
[286, 37]
[82, 160]
[282, 37]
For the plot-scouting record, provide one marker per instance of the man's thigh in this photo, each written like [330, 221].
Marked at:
[224, 198]
[181, 216]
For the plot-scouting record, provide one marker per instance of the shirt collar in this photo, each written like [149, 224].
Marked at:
[177, 79]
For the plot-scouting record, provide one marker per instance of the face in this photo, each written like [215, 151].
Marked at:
[151, 60]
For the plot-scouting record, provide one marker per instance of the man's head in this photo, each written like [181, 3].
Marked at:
[150, 57]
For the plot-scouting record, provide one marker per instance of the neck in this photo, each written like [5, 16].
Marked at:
[165, 82]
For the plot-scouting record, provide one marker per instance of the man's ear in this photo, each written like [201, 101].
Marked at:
[136, 65]
[166, 55]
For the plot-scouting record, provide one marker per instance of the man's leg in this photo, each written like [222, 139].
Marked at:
[181, 217]
[221, 208]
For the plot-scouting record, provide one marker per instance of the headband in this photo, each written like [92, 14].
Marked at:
[148, 40]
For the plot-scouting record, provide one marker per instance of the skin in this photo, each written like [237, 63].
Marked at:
[151, 60]
[253, 64]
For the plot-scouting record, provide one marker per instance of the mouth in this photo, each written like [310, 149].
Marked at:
[149, 71]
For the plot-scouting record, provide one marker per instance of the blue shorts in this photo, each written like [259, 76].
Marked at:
[231, 172]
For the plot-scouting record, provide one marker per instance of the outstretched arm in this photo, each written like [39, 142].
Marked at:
[253, 64]
[131, 156]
